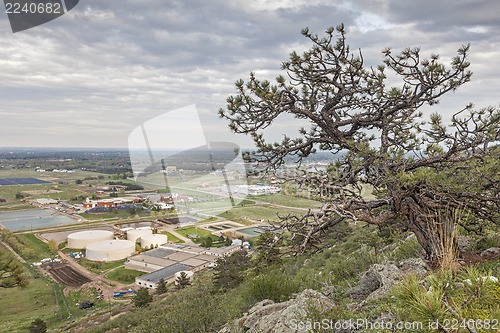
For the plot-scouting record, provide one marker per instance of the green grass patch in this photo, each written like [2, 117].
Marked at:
[83, 295]
[100, 267]
[20, 306]
[68, 250]
[102, 216]
[257, 212]
[30, 241]
[42, 298]
[193, 230]
[210, 219]
[172, 238]
[287, 200]
[125, 276]
[12, 206]
[210, 204]
[246, 203]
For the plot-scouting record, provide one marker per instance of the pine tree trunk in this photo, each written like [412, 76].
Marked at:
[436, 235]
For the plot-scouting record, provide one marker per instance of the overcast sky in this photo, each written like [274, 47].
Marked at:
[90, 77]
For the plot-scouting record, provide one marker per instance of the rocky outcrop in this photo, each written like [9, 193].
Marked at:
[492, 251]
[376, 281]
[270, 317]
[465, 244]
[415, 266]
[379, 279]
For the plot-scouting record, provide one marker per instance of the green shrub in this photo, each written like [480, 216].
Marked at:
[408, 248]
[492, 240]
[274, 285]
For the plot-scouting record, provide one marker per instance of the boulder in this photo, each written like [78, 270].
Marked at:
[416, 266]
[465, 244]
[490, 252]
[270, 317]
[377, 281]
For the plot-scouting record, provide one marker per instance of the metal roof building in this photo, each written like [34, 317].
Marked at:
[168, 274]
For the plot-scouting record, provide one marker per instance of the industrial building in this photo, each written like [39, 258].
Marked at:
[168, 274]
[255, 189]
[110, 250]
[79, 240]
[113, 202]
[170, 258]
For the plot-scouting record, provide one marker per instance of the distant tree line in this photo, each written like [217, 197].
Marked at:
[107, 162]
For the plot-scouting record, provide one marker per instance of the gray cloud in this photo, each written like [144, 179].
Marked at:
[91, 76]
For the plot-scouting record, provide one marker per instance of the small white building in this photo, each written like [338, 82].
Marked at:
[255, 189]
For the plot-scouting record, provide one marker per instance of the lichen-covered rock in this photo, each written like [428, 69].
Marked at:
[416, 266]
[490, 252]
[465, 244]
[377, 281]
[270, 317]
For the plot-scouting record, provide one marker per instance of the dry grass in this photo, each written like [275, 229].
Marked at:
[443, 225]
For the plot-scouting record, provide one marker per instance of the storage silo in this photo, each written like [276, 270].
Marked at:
[136, 234]
[79, 240]
[110, 250]
[156, 239]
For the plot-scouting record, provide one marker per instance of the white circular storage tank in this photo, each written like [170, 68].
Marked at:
[189, 275]
[154, 240]
[110, 250]
[136, 234]
[79, 240]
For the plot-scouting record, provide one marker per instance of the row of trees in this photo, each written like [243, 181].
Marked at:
[422, 169]
[8, 237]
[11, 272]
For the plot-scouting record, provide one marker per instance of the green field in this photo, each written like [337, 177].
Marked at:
[100, 267]
[83, 295]
[20, 306]
[193, 230]
[30, 241]
[289, 201]
[117, 215]
[172, 238]
[125, 276]
[64, 182]
[218, 204]
[256, 212]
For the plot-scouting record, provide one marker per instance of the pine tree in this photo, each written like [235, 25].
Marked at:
[182, 281]
[229, 271]
[161, 287]
[142, 298]
[11, 272]
[372, 117]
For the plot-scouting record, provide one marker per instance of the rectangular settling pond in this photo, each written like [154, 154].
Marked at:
[33, 219]
[255, 231]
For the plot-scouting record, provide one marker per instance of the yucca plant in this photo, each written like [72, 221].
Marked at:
[472, 294]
